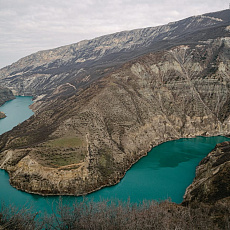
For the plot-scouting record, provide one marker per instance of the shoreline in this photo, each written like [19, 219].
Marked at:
[118, 179]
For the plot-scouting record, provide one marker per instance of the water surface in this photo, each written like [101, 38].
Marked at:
[17, 111]
[164, 173]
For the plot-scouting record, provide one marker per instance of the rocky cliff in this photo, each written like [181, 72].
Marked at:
[211, 187]
[212, 181]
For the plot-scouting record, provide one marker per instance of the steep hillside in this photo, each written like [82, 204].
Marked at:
[77, 144]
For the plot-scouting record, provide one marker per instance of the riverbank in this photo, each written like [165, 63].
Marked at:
[25, 197]
[198, 213]
[53, 175]
[209, 213]
[134, 182]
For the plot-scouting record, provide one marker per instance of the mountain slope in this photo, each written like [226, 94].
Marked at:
[103, 104]
[78, 142]
[82, 63]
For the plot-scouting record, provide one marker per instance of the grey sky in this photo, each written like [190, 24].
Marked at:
[27, 26]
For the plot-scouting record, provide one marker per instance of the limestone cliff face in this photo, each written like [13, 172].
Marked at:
[77, 144]
[212, 181]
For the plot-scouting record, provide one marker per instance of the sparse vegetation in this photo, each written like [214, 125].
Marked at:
[58, 156]
[14, 219]
[66, 142]
[117, 215]
[105, 162]
[60, 152]
[20, 141]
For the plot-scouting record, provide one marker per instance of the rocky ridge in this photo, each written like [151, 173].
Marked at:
[82, 63]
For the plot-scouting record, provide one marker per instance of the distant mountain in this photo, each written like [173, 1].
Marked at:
[82, 63]
[103, 104]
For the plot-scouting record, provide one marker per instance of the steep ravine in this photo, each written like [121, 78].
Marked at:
[77, 144]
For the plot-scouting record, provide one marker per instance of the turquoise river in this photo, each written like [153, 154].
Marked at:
[164, 173]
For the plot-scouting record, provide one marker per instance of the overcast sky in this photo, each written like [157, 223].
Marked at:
[27, 26]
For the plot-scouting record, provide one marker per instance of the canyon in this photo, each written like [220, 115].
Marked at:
[101, 105]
